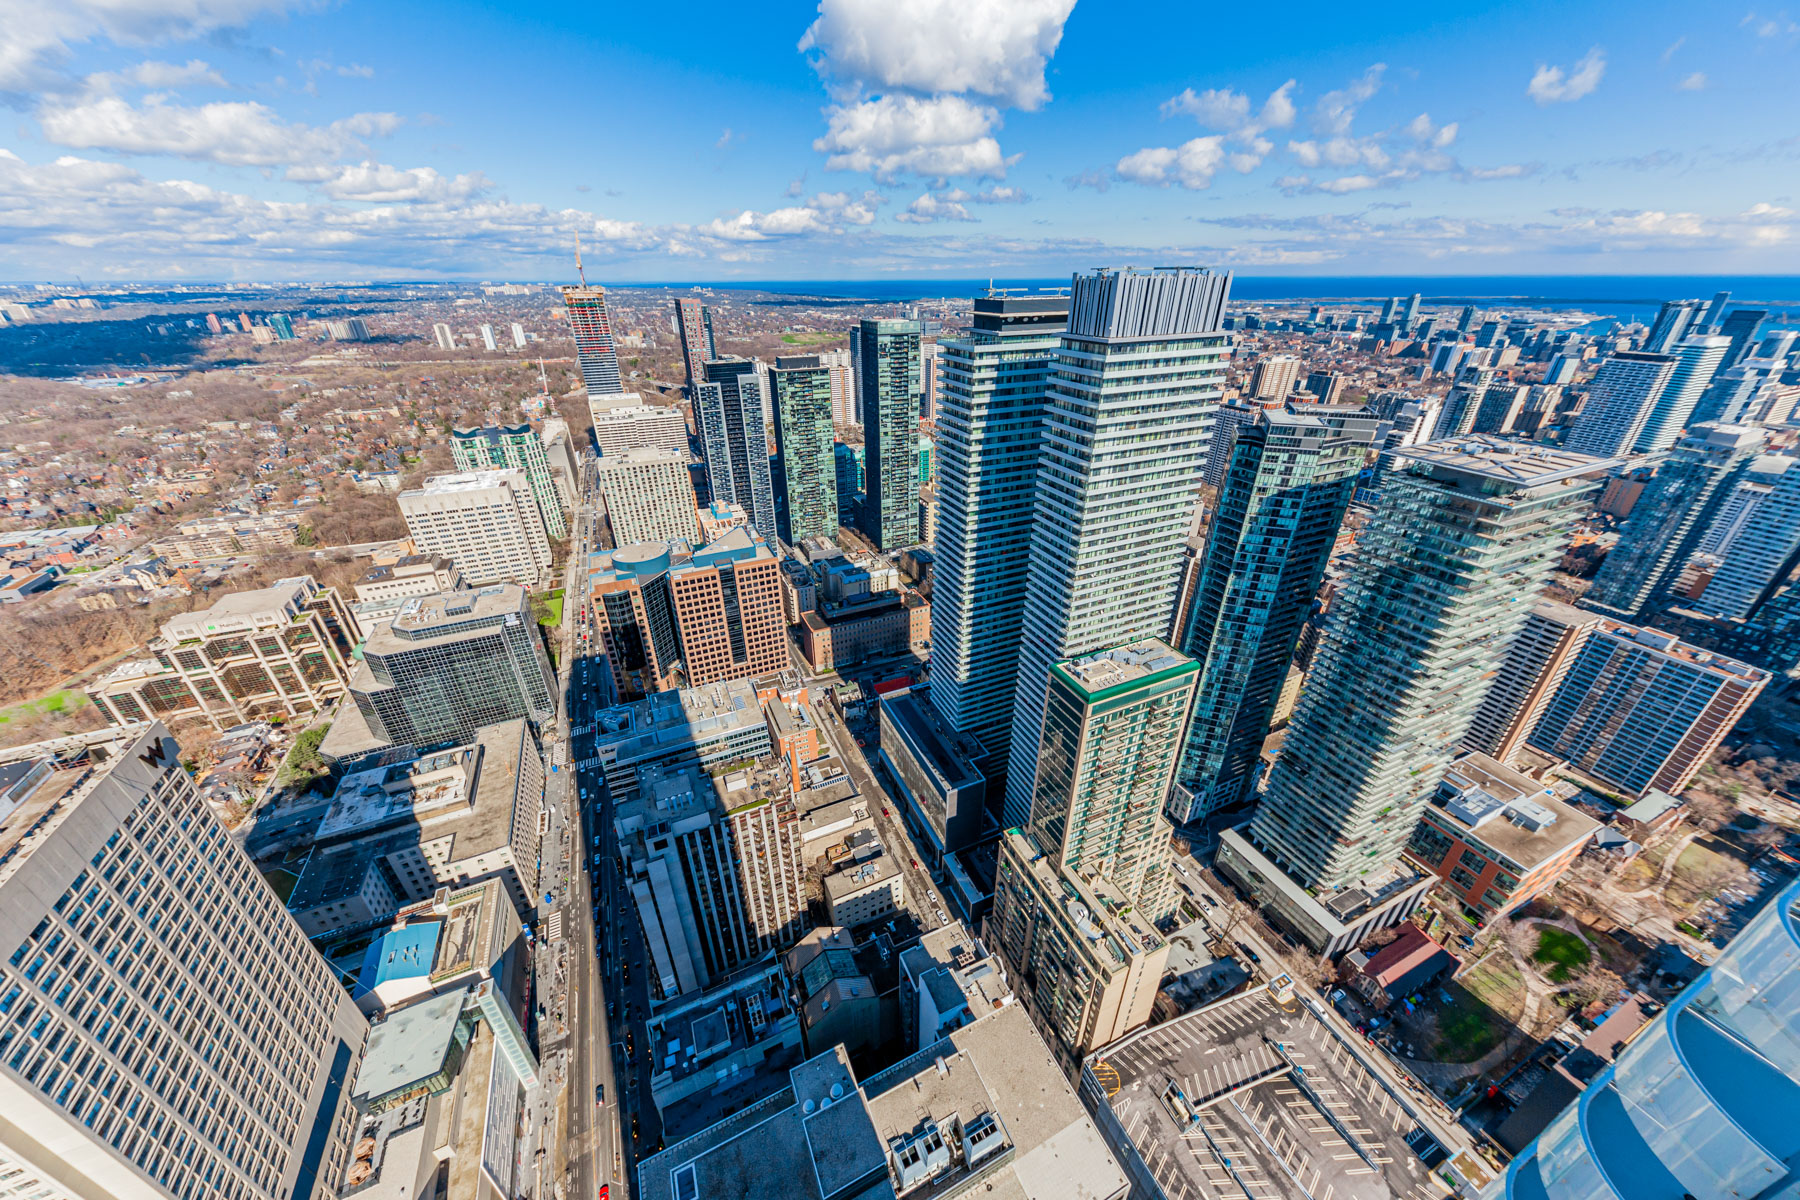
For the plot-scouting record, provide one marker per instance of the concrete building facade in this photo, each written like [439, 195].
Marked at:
[649, 495]
[487, 522]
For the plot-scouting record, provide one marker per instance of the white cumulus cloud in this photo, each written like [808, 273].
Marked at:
[1191, 164]
[36, 36]
[996, 48]
[932, 206]
[379, 183]
[1552, 85]
[896, 135]
[240, 133]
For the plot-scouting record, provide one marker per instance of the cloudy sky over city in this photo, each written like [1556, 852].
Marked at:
[858, 139]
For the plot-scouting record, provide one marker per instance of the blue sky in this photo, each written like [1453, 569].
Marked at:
[866, 138]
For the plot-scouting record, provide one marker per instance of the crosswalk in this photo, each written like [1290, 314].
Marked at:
[556, 925]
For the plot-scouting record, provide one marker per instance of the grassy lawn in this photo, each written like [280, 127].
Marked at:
[51, 702]
[810, 339]
[549, 608]
[1496, 982]
[1698, 875]
[1485, 1005]
[1562, 953]
[282, 882]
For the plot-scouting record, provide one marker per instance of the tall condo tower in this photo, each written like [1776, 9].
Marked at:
[1131, 392]
[1761, 557]
[1697, 359]
[990, 431]
[805, 473]
[736, 440]
[1446, 575]
[1672, 517]
[592, 326]
[891, 383]
[167, 1029]
[516, 448]
[1283, 499]
[693, 320]
[1620, 399]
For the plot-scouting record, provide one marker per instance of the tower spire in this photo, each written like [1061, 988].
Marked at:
[578, 268]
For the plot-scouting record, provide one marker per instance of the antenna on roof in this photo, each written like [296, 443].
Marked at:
[578, 269]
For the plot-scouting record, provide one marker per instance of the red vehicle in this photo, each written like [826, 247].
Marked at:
[605, 1191]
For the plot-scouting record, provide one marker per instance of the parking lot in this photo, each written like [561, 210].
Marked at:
[1267, 1105]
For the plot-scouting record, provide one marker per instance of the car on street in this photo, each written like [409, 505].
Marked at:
[599, 1093]
[1248, 953]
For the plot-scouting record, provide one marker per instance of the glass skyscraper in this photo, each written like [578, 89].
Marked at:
[805, 473]
[1284, 495]
[1134, 383]
[889, 363]
[1446, 574]
[594, 347]
[1697, 359]
[1672, 516]
[990, 431]
[729, 412]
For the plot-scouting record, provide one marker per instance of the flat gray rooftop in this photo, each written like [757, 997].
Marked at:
[1286, 1111]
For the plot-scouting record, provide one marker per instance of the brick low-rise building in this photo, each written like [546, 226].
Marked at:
[885, 623]
[1497, 837]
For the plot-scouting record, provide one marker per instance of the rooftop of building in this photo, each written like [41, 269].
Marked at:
[271, 605]
[1672, 647]
[863, 607]
[638, 456]
[1508, 811]
[1489, 459]
[421, 789]
[870, 864]
[947, 754]
[1254, 1073]
[66, 770]
[690, 714]
[406, 567]
[469, 481]
[480, 816]
[691, 1034]
[991, 1089]
[440, 940]
[446, 616]
[409, 1047]
[1132, 663]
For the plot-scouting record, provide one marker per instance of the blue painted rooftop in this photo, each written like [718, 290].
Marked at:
[402, 954]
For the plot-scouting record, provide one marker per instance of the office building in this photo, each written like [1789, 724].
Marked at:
[1085, 959]
[711, 892]
[694, 322]
[727, 602]
[1131, 394]
[935, 769]
[890, 385]
[1762, 557]
[167, 1031]
[1754, 487]
[729, 412]
[559, 449]
[930, 354]
[1275, 377]
[1113, 724]
[381, 593]
[446, 340]
[985, 1111]
[1279, 510]
[649, 496]
[514, 448]
[446, 666]
[1640, 710]
[634, 618]
[990, 429]
[1696, 360]
[1562, 369]
[1697, 1104]
[635, 426]
[1496, 837]
[486, 522]
[718, 724]
[1460, 548]
[1409, 312]
[276, 652]
[397, 832]
[591, 325]
[1671, 518]
[806, 468]
[1534, 668]
[1500, 406]
[1621, 397]
[1673, 322]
